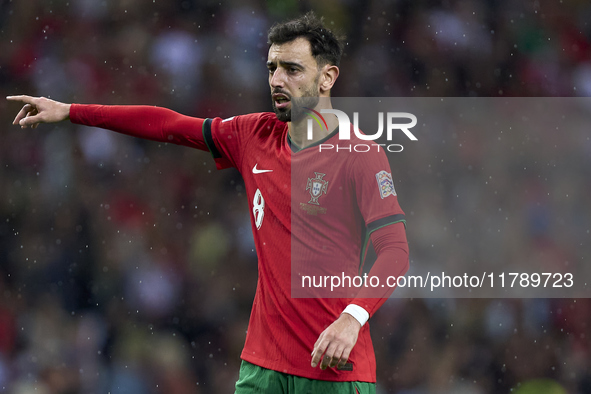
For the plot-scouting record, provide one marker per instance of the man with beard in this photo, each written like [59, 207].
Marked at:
[309, 209]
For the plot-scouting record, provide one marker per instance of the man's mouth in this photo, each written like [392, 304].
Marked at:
[281, 100]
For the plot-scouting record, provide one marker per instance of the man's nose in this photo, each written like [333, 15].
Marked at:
[277, 78]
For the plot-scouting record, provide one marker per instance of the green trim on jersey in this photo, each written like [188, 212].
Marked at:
[295, 148]
[255, 379]
[208, 138]
[376, 225]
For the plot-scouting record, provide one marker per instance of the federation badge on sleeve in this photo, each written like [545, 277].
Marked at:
[385, 184]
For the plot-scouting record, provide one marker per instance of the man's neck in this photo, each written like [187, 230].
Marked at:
[298, 130]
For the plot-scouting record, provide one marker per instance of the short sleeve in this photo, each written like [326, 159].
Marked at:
[223, 138]
[227, 139]
[374, 187]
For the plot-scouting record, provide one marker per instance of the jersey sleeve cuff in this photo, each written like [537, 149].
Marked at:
[376, 224]
[208, 137]
[359, 313]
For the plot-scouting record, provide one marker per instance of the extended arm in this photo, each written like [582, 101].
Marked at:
[153, 123]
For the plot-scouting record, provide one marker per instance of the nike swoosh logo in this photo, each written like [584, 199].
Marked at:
[255, 170]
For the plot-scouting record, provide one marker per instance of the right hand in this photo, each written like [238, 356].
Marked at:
[39, 110]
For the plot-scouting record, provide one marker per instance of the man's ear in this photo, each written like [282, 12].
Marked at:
[328, 77]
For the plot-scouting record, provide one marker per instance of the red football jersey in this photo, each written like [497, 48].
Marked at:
[309, 209]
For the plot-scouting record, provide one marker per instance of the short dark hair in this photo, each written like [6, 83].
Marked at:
[326, 47]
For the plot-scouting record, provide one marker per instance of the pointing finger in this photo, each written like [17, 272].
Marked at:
[22, 98]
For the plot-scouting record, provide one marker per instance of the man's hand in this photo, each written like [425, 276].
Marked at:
[39, 110]
[336, 342]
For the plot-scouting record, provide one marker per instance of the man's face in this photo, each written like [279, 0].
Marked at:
[293, 73]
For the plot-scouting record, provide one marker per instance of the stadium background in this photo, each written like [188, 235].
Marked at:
[127, 266]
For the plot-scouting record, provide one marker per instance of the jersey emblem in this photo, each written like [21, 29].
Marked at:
[385, 184]
[255, 170]
[316, 186]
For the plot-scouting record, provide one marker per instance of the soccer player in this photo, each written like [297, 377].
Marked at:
[308, 209]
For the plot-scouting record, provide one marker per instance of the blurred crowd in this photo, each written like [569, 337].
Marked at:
[128, 266]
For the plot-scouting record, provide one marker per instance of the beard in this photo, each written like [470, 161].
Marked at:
[308, 99]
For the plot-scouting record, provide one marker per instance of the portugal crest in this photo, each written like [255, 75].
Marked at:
[316, 186]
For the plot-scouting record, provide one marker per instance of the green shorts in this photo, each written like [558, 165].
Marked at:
[255, 379]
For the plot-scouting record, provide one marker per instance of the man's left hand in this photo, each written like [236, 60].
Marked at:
[336, 342]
